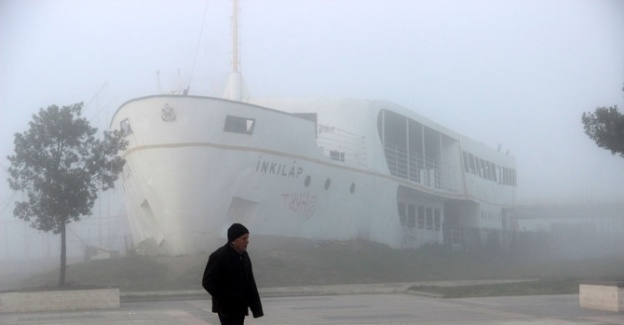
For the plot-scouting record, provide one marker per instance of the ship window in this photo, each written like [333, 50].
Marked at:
[352, 189]
[484, 172]
[436, 219]
[239, 124]
[473, 168]
[307, 181]
[327, 183]
[421, 216]
[508, 176]
[480, 167]
[402, 214]
[411, 220]
[125, 127]
[337, 155]
[494, 172]
[429, 218]
[486, 169]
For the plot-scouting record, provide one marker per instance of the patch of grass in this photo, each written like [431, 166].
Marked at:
[130, 272]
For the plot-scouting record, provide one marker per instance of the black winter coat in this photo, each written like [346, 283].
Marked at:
[229, 279]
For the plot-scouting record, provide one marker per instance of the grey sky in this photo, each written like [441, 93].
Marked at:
[515, 73]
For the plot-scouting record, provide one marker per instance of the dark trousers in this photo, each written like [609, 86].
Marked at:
[231, 319]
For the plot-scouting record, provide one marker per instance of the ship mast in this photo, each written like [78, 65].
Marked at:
[235, 85]
[235, 61]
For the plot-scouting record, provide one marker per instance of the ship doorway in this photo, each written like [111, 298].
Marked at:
[241, 210]
[452, 227]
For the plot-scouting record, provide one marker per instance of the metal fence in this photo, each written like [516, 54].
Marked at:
[341, 145]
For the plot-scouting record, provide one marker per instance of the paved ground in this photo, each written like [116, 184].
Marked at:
[378, 308]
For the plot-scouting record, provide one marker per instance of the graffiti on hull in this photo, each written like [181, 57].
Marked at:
[300, 203]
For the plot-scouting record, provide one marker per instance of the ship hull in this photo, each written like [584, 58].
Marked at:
[186, 179]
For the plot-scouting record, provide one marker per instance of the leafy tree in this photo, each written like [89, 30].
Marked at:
[606, 127]
[61, 165]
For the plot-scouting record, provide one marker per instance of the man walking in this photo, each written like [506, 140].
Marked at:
[229, 279]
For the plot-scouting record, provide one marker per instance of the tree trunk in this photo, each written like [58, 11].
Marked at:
[63, 256]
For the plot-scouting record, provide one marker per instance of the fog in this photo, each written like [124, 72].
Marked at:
[514, 74]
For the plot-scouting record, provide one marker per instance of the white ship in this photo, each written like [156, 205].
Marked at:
[314, 169]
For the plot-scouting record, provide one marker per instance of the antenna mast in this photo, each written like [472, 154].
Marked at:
[235, 86]
[235, 61]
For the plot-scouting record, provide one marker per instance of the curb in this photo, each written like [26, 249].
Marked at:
[315, 290]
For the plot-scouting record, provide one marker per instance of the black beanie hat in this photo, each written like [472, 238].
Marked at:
[236, 230]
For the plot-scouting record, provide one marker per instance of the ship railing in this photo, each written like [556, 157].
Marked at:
[425, 171]
[341, 145]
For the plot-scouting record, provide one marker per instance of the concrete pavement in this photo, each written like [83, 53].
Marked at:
[367, 304]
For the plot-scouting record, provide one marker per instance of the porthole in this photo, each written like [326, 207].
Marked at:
[352, 189]
[307, 181]
[327, 183]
